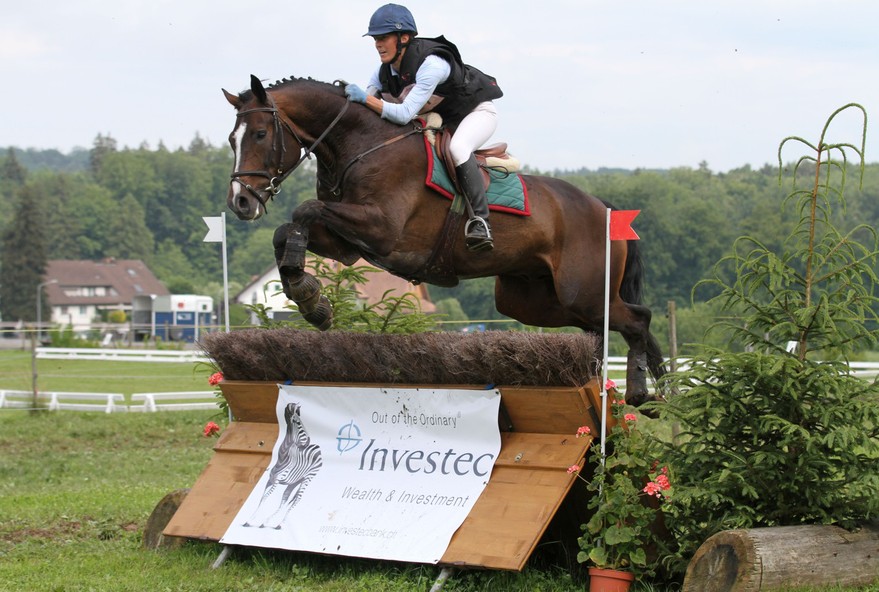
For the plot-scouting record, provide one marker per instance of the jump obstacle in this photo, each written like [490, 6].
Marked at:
[537, 425]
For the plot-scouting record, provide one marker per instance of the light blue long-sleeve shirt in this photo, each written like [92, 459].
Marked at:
[433, 72]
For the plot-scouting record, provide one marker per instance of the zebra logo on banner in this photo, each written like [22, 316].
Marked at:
[298, 462]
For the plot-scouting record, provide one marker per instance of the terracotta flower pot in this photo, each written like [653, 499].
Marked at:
[609, 580]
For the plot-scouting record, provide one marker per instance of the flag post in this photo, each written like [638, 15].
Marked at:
[605, 335]
[225, 276]
[217, 234]
[618, 227]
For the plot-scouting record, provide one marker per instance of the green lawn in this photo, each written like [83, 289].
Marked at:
[76, 490]
[101, 376]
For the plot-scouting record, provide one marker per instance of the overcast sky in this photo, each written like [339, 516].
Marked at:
[652, 83]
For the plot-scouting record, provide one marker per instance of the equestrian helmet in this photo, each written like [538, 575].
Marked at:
[391, 18]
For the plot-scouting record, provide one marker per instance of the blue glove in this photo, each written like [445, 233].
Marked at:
[355, 93]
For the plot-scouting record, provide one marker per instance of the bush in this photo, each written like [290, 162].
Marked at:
[117, 316]
[392, 314]
[771, 436]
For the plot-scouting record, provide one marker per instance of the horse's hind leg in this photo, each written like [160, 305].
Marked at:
[632, 321]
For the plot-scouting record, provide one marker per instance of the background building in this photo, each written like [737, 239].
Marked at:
[83, 293]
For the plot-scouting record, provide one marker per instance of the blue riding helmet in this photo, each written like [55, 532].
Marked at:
[391, 18]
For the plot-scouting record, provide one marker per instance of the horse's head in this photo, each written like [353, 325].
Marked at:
[266, 149]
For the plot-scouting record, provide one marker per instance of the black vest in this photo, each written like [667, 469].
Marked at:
[465, 88]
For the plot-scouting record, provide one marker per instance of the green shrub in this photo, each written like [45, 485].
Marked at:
[65, 337]
[769, 435]
[392, 314]
[117, 316]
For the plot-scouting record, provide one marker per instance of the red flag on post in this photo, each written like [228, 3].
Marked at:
[621, 225]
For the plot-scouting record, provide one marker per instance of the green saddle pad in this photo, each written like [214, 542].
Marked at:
[506, 193]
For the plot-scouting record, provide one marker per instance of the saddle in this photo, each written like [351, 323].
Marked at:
[439, 268]
[493, 157]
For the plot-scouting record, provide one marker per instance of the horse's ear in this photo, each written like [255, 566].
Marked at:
[234, 100]
[258, 90]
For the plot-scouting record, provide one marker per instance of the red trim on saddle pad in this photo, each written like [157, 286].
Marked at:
[428, 180]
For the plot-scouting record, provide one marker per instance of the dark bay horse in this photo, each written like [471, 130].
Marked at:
[372, 203]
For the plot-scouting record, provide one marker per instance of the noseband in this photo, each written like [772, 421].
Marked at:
[274, 186]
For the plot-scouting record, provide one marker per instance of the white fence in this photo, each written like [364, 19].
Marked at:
[617, 364]
[182, 401]
[108, 402]
[60, 400]
[120, 355]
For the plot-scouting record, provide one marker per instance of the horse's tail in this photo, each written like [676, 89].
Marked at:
[632, 287]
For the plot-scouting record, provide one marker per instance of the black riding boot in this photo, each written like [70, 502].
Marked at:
[477, 232]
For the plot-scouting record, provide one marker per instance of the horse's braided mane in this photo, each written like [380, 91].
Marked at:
[294, 80]
[280, 84]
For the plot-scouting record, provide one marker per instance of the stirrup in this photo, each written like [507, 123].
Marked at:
[473, 235]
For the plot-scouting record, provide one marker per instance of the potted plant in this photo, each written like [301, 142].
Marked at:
[627, 490]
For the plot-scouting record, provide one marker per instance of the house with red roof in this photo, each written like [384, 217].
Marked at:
[81, 292]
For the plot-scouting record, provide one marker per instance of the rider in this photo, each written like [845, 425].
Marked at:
[433, 66]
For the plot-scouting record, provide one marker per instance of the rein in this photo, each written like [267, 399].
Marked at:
[417, 129]
[274, 186]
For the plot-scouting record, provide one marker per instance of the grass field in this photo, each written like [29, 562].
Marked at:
[101, 376]
[77, 488]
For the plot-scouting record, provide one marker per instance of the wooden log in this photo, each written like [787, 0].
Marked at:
[784, 556]
[162, 514]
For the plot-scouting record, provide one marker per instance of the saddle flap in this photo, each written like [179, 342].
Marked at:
[494, 156]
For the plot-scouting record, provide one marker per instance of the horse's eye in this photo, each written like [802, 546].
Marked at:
[260, 134]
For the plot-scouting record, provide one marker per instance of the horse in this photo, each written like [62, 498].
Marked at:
[372, 203]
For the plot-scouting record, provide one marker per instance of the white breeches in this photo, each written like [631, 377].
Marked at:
[473, 131]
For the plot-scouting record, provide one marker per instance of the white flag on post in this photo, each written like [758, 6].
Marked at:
[215, 229]
[217, 234]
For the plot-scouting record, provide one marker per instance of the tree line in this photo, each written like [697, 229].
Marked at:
[148, 203]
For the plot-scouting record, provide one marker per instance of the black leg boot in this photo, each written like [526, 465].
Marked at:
[477, 232]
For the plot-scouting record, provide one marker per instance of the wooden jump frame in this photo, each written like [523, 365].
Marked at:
[527, 486]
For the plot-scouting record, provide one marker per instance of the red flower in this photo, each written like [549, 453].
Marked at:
[610, 385]
[630, 417]
[211, 429]
[215, 378]
[583, 431]
[573, 469]
[651, 489]
[662, 482]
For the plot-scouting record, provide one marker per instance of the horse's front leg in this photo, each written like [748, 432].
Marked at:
[290, 241]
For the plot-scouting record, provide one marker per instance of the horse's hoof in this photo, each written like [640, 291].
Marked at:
[637, 399]
[640, 400]
[321, 316]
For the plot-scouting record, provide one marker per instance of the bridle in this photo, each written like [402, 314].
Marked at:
[274, 186]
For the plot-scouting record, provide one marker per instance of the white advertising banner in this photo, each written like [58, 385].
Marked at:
[372, 472]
